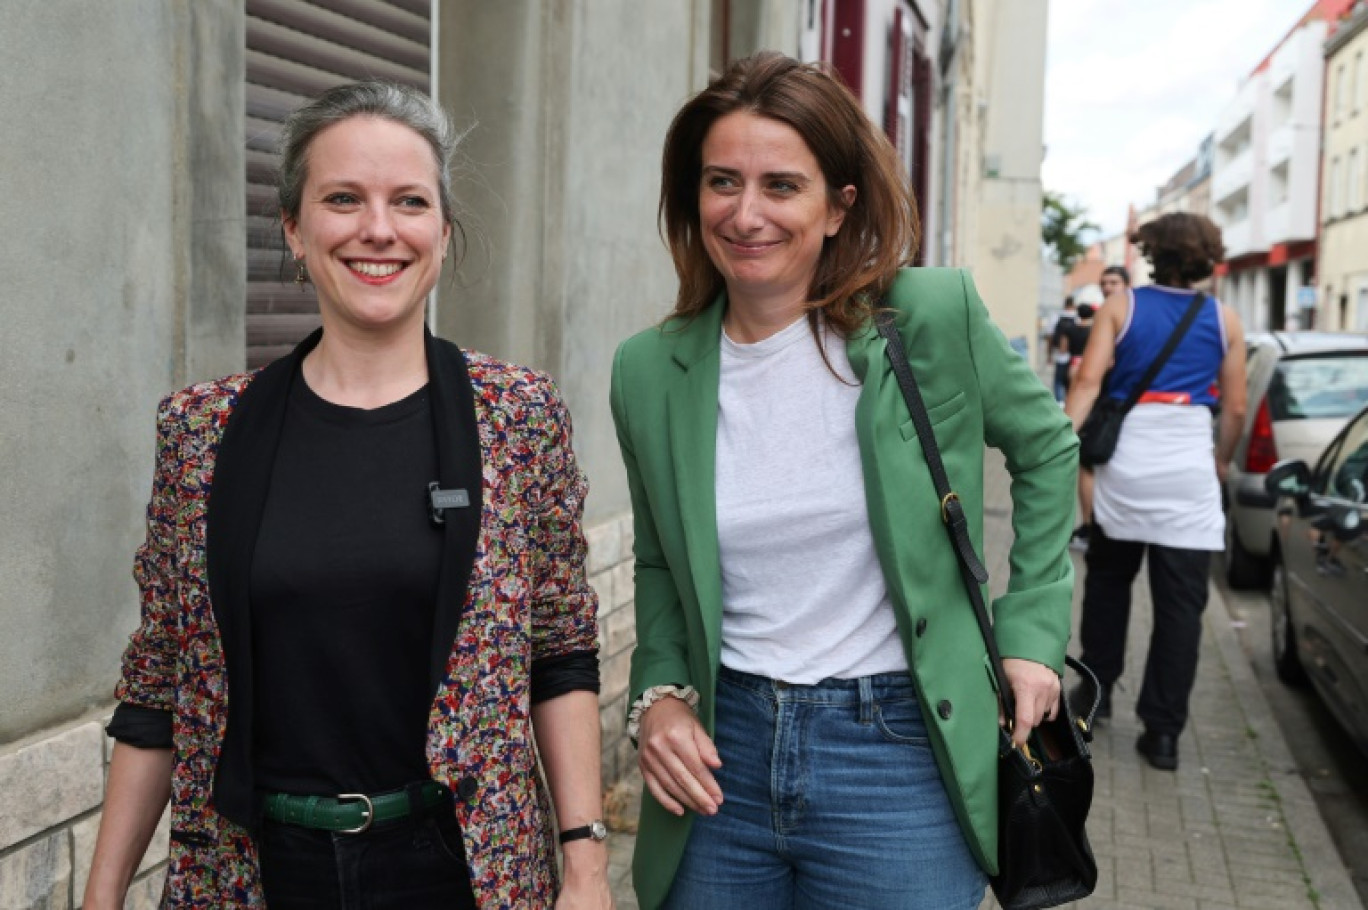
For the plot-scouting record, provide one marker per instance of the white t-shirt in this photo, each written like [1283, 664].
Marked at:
[803, 596]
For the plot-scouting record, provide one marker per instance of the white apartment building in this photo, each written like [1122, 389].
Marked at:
[1264, 183]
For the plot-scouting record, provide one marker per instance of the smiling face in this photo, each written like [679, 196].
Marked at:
[370, 227]
[764, 209]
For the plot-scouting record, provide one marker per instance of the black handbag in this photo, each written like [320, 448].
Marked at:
[1045, 788]
[1101, 429]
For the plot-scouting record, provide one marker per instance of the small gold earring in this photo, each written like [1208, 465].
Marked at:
[301, 274]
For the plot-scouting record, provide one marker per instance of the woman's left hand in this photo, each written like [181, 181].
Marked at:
[585, 885]
[1036, 690]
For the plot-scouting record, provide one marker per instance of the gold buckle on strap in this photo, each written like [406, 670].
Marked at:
[945, 503]
[369, 809]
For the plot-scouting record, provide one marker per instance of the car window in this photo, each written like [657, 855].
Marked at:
[1307, 387]
[1343, 473]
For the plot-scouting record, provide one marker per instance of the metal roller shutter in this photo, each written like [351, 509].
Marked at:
[296, 49]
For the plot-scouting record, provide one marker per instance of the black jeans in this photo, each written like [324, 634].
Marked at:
[1178, 584]
[408, 864]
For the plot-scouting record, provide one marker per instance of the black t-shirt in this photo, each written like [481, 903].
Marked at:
[1077, 334]
[343, 593]
[1067, 320]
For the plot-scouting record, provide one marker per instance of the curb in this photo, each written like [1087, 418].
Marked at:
[1319, 857]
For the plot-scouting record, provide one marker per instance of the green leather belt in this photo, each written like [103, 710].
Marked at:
[348, 813]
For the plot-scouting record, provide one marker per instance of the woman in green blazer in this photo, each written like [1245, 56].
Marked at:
[816, 721]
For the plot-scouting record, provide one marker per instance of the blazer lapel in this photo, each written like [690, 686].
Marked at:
[459, 462]
[237, 497]
[692, 407]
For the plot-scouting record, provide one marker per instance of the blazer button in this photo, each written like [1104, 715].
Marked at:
[467, 789]
[921, 627]
[944, 709]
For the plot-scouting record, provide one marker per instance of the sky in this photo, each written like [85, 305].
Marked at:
[1133, 86]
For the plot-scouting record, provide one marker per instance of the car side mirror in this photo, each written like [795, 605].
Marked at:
[1290, 477]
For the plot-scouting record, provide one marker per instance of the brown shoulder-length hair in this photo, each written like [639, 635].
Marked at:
[1181, 247]
[881, 229]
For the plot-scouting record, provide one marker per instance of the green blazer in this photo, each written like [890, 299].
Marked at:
[977, 390]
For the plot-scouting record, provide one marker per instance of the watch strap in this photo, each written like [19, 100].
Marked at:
[596, 830]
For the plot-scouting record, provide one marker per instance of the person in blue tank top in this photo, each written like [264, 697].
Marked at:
[1159, 494]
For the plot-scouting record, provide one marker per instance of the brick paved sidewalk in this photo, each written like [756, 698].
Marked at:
[1235, 828]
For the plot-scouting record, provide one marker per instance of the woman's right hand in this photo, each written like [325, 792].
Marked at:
[677, 759]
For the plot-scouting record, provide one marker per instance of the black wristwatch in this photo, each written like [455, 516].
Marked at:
[596, 830]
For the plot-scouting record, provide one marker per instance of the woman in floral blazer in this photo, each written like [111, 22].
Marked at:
[513, 644]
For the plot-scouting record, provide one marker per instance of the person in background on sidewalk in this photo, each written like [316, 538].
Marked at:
[1115, 280]
[363, 585]
[1059, 344]
[816, 728]
[1159, 494]
[1076, 337]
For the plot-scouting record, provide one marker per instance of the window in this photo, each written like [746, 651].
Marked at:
[1321, 386]
[1341, 91]
[1355, 182]
[1278, 183]
[1358, 81]
[1334, 202]
[1343, 473]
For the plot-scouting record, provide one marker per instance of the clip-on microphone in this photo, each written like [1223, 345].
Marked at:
[440, 500]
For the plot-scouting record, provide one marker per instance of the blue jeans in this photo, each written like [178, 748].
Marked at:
[1061, 381]
[831, 798]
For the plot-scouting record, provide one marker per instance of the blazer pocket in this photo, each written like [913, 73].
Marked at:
[938, 413]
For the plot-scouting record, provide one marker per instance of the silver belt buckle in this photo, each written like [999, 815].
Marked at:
[369, 810]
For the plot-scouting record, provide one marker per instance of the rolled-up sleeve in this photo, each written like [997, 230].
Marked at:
[145, 728]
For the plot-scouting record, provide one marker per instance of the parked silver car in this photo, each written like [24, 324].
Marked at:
[1303, 386]
[1320, 575]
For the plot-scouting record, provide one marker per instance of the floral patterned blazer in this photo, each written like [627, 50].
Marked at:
[512, 590]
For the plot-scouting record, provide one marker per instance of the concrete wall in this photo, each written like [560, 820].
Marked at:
[1010, 75]
[572, 102]
[122, 236]
[122, 233]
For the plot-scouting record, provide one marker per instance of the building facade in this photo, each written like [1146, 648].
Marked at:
[959, 87]
[1343, 274]
[1265, 179]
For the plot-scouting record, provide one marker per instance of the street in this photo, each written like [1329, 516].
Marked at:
[1334, 770]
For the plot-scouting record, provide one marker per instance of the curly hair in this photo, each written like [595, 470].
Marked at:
[1181, 247]
[881, 228]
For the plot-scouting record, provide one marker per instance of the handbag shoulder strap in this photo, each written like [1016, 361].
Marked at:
[1169, 346]
[951, 510]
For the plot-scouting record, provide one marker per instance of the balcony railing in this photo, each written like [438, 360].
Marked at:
[1279, 147]
[1232, 176]
[1237, 239]
[1277, 223]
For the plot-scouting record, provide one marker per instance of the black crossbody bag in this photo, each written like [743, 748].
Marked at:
[1045, 788]
[1101, 429]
